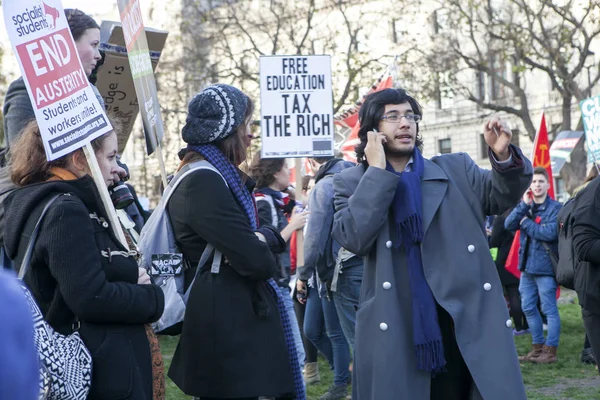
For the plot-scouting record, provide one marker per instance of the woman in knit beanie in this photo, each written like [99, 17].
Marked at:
[236, 338]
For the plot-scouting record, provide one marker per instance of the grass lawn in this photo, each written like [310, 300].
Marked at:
[567, 379]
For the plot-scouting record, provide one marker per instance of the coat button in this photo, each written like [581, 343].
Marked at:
[471, 248]
[487, 287]
[105, 224]
[509, 323]
[388, 244]
[387, 285]
[383, 326]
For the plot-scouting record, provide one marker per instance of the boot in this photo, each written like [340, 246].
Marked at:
[548, 356]
[536, 350]
[335, 392]
[587, 356]
[311, 373]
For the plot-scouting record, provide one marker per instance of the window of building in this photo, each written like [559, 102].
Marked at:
[483, 147]
[439, 21]
[396, 30]
[444, 96]
[516, 134]
[480, 85]
[498, 69]
[445, 146]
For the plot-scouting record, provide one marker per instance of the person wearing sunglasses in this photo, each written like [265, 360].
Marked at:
[432, 322]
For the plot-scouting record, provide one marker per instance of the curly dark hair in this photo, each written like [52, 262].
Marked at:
[372, 111]
[263, 170]
[79, 22]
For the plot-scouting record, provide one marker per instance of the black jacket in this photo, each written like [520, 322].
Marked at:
[73, 276]
[502, 239]
[232, 344]
[586, 244]
[265, 218]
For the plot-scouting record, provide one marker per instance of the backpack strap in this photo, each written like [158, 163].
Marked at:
[208, 250]
[185, 171]
[29, 252]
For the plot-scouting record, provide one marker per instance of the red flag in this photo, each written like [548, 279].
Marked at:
[541, 153]
[352, 140]
[541, 158]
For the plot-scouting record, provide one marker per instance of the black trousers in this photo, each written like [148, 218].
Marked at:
[592, 329]
[456, 383]
[516, 312]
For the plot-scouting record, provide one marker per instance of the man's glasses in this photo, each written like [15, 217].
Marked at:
[397, 117]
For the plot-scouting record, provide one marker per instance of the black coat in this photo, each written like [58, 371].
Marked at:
[232, 344]
[72, 276]
[265, 218]
[586, 244]
[502, 239]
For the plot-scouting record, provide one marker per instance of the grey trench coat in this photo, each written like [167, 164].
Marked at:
[457, 195]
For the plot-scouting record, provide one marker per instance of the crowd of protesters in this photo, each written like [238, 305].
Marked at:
[386, 290]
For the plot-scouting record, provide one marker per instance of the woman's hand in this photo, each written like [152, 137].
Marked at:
[143, 277]
[301, 291]
[298, 220]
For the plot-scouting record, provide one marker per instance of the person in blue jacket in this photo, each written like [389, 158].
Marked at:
[536, 217]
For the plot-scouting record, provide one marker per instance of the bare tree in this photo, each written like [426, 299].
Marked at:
[226, 39]
[505, 44]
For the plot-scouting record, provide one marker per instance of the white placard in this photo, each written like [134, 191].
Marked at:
[296, 106]
[66, 108]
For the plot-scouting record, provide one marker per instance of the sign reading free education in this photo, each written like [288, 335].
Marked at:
[296, 106]
[590, 112]
[66, 109]
[142, 71]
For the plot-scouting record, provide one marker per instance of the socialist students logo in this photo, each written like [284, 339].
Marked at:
[37, 18]
[51, 12]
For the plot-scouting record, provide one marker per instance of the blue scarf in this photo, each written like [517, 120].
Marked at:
[244, 198]
[407, 209]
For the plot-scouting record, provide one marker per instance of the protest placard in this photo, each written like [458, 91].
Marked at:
[296, 106]
[115, 81]
[66, 109]
[142, 72]
[561, 149]
[590, 112]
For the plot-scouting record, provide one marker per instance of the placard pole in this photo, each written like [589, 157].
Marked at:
[103, 189]
[299, 197]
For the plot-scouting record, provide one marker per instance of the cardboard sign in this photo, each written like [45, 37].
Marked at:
[142, 72]
[66, 109]
[561, 149]
[115, 80]
[590, 112]
[296, 106]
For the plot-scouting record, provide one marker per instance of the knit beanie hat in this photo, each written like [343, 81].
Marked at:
[213, 114]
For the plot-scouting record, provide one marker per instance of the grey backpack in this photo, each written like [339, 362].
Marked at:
[163, 259]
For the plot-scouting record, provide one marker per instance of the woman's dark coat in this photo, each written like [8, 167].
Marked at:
[232, 343]
[78, 272]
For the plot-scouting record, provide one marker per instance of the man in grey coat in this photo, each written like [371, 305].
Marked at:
[432, 323]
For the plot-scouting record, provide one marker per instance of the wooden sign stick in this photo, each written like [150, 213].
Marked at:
[101, 185]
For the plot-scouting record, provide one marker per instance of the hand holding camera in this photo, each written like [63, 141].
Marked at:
[119, 192]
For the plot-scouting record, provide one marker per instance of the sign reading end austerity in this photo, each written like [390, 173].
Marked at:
[65, 106]
[296, 106]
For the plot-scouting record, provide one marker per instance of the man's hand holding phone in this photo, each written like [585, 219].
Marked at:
[374, 151]
[528, 197]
